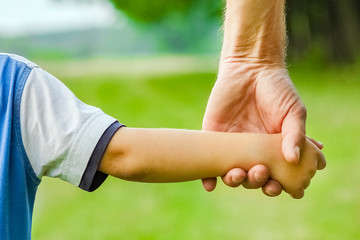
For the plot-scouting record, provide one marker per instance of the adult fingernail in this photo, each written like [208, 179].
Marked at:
[236, 179]
[270, 193]
[258, 176]
[297, 153]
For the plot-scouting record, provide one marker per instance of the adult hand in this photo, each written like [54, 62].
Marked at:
[258, 98]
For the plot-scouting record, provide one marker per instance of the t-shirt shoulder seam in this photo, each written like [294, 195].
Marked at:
[23, 60]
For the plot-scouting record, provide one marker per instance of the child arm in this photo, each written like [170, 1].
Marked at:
[169, 155]
[165, 155]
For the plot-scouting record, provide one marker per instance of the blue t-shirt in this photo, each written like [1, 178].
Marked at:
[45, 131]
[18, 182]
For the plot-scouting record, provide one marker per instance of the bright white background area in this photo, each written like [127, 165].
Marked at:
[23, 17]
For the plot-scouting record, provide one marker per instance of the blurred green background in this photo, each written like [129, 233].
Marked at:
[155, 67]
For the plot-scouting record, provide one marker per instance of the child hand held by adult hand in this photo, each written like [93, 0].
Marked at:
[294, 178]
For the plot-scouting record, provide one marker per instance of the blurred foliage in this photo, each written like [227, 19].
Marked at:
[177, 26]
[330, 26]
[154, 11]
[327, 26]
[145, 10]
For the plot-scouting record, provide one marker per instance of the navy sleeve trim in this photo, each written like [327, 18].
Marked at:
[92, 178]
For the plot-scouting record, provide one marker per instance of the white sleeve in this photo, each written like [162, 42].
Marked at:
[59, 131]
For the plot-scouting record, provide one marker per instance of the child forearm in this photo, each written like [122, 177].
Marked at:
[165, 155]
[255, 30]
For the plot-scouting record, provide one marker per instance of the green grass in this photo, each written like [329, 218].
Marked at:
[126, 210]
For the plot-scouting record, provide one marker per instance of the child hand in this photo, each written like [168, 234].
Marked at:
[295, 178]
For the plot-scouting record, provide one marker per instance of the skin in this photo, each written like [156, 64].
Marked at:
[253, 92]
[165, 155]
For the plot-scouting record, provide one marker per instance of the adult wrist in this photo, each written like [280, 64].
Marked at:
[254, 31]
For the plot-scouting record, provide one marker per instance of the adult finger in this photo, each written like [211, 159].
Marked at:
[272, 188]
[317, 143]
[234, 177]
[293, 133]
[257, 176]
[209, 184]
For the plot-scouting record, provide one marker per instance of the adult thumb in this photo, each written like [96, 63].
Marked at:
[293, 136]
[292, 143]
